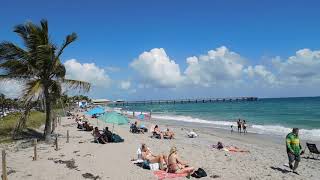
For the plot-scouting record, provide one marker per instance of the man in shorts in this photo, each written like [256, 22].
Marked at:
[294, 149]
[239, 126]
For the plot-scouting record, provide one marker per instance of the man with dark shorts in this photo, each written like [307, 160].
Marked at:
[239, 126]
[294, 149]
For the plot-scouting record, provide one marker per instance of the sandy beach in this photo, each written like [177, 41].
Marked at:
[83, 159]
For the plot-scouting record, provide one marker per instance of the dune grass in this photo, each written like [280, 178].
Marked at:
[8, 123]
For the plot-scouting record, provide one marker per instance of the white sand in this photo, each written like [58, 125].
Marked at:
[112, 161]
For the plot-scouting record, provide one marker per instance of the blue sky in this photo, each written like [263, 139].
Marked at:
[114, 34]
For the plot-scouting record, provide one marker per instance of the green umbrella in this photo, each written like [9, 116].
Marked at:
[114, 118]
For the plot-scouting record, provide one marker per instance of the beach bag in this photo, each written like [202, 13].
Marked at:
[199, 173]
[145, 165]
[116, 138]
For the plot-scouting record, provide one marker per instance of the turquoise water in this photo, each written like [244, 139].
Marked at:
[274, 116]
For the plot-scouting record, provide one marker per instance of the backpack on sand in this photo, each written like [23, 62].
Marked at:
[199, 173]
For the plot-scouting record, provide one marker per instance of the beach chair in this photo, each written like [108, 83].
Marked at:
[155, 135]
[313, 150]
[135, 129]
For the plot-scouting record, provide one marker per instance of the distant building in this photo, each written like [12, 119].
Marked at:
[100, 101]
[82, 104]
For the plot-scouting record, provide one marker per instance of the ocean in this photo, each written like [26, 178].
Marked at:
[274, 116]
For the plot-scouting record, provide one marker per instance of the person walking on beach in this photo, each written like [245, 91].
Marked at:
[244, 126]
[239, 126]
[294, 149]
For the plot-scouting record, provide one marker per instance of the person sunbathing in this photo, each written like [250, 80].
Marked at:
[135, 129]
[87, 127]
[176, 165]
[107, 135]
[220, 146]
[169, 134]
[147, 155]
[157, 131]
[79, 124]
[98, 136]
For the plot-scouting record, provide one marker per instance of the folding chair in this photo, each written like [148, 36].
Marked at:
[313, 150]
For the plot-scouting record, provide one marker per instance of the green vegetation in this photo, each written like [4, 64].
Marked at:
[8, 123]
[38, 64]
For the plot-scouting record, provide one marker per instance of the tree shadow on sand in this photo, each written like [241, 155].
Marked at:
[29, 134]
[285, 171]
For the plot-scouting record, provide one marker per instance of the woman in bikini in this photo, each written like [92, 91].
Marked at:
[169, 134]
[147, 155]
[175, 165]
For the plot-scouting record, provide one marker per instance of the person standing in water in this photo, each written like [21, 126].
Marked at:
[244, 126]
[294, 149]
[239, 126]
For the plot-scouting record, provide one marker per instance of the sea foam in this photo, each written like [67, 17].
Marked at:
[306, 134]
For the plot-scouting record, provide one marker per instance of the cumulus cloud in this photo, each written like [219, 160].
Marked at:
[222, 66]
[125, 85]
[261, 73]
[11, 88]
[156, 68]
[217, 66]
[88, 72]
[301, 68]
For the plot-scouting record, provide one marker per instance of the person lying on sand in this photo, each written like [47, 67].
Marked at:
[158, 132]
[176, 165]
[147, 155]
[98, 136]
[169, 134]
[220, 146]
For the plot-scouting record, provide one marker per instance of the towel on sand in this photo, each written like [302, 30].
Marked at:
[164, 175]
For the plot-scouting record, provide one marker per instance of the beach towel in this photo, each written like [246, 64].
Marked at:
[164, 175]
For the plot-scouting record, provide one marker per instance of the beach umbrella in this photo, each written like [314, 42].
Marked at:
[114, 118]
[96, 110]
[141, 116]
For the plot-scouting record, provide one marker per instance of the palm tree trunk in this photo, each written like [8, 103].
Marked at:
[22, 122]
[47, 129]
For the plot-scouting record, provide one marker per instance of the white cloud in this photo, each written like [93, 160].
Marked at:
[262, 74]
[88, 72]
[299, 69]
[125, 85]
[218, 66]
[156, 68]
[11, 88]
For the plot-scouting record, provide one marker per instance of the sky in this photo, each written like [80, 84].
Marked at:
[147, 49]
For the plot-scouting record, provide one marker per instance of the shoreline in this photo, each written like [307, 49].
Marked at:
[211, 129]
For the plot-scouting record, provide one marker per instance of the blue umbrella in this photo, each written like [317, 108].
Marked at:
[96, 110]
[141, 116]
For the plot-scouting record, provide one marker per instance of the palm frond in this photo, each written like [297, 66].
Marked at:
[69, 39]
[33, 90]
[9, 50]
[15, 68]
[76, 84]
[55, 90]
[6, 77]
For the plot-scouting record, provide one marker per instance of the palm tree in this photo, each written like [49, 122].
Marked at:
[38, 65]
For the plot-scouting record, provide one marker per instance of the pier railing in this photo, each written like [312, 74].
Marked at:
[185, 101]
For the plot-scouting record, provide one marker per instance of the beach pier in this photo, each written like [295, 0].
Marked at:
[185, 101]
